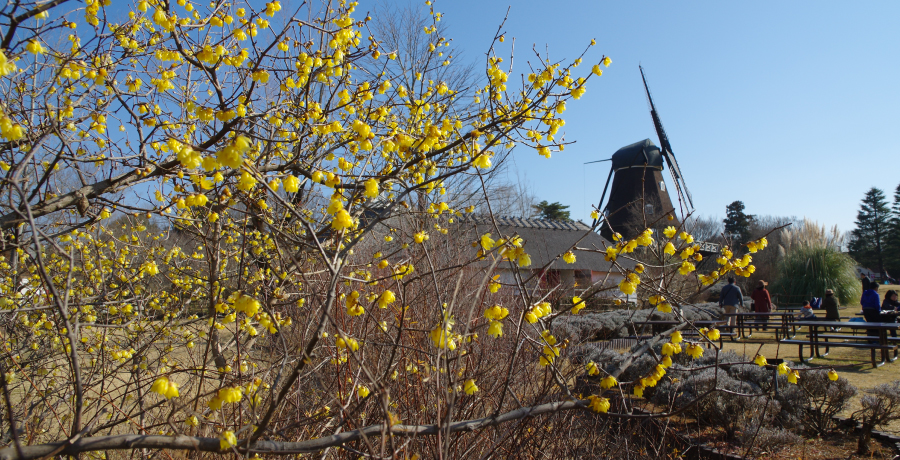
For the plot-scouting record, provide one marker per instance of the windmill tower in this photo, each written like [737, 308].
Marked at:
[639, 197]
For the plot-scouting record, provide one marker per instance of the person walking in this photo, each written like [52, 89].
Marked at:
[762, 303]
[729, 299]
[832, 306]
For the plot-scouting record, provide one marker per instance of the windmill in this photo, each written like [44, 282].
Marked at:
[638, 196]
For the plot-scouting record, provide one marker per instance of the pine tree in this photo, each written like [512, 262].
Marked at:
[555, 210]
[737, 224]
[892, 239]
[869, 238]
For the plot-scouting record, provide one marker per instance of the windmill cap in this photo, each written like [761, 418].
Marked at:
[637, 155]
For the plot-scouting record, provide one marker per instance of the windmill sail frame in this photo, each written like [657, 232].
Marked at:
[684, 195]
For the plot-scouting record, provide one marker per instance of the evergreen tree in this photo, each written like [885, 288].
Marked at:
[555, 210]
[892, 239]
[869, 238]
[737, 224]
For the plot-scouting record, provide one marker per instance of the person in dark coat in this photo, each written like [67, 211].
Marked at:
[891, 302]
[762, 302]
[871, 307]
[832, 306]
[729, 299]
[866, 282]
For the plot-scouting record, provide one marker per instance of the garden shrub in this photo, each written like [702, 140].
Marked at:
[879, 407]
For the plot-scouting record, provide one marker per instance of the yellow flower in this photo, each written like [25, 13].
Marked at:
[760, 360]
[470, 388]
[495, 329]
[627, 287]
[420, 237]
[595, 215]
[348, 343]
[686, 267]
[342, 220]
[591, 368]
[608, 382]
[666, 361]
[569, 257]
[676, 337]
[482, 161]
[386, 298]
[783, 369]
[227, 440]
[362, 391]
[34, 47]
[496, 312]
[246, 304]
[165, 387]
[793, 376]
[694, 350]
[713, 334]
[639, 268]
[638, 391]
[670, 231]
[611, 254]
[598, 404]
[578, 305]
[524, 260]
[150, 268]
[668, 349]
[371, 188]
[291, 184]
[669, 249]
[664, 307]
[832, 375]
[487, 243]
[606, 61]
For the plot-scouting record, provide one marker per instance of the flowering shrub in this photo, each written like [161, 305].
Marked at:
[238, 228]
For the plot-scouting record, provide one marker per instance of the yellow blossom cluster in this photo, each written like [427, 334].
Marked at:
[511, 249]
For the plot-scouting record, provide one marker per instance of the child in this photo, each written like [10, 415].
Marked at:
[806, 312]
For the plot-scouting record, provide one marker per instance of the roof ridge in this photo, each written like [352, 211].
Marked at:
[535, 222]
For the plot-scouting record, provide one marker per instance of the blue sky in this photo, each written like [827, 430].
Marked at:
[790, 107]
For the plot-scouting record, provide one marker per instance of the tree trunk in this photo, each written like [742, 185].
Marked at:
[862, 445]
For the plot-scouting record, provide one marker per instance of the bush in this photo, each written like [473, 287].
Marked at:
[879, 407]
[761, 440]
[613, 324]
[809, 270]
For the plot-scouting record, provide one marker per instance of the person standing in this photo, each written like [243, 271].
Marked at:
[866, 282]
[729, 299]
[832, 306]
[762, 303]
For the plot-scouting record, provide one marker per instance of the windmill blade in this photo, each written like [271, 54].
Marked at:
[678, 178]
[666, 151]
[598, 161]
[603, 197]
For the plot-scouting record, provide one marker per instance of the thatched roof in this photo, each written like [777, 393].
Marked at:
[546, 239]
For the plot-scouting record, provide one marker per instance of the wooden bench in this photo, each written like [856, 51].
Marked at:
[818, 336]
[813, 349]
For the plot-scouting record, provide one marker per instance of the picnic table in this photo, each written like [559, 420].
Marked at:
[819, 336]
[787, 322]
[660, 326]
